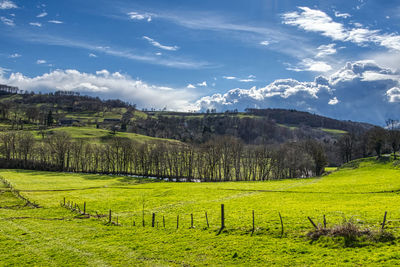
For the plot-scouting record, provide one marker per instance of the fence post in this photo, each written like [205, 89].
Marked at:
[163, 221]
[384, 220]
[312, 222]
[153, 219]
[222, 216]
[252, 231]
[191, 220]
[84, 208]
[109, 216]
[324, 222]
[177, 222]
[208, 226]
[281, 223]
[64, 201]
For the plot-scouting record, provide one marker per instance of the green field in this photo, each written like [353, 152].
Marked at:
[52, 235]
[93, 135]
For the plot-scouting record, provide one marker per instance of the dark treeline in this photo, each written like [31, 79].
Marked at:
[221, 159]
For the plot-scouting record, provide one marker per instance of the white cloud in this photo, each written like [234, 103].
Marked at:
[140, 16]
[36, 24]
[157, 44]
[326, 50]
[202, 84]
[56, 21]
[309, 64]
[333, 101]
[190, 86]
[8, 22]
[41, 15]
[264, 43]
[313, 20]
[41, 61]
[229, 77]
[158, 54]
[246, 80]
[92, 55]
[7, 4]
[173, 62]
[393, 94]
[361, 91]
[106, 85]
[342, 15]
[15, 55]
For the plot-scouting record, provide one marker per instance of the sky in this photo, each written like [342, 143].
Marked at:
[335, 58]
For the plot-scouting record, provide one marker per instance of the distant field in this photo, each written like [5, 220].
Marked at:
[51, 235]
[93, 135]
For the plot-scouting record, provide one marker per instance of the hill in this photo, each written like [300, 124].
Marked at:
[54, 234]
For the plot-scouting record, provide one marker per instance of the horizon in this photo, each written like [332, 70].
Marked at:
[338, 59]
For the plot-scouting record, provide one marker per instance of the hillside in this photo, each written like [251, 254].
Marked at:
[55, 234]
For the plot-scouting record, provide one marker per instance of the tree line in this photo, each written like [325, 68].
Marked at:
[223, 158]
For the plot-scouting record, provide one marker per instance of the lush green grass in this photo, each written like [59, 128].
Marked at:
[363, 193]
[93, 135]
[333, 131]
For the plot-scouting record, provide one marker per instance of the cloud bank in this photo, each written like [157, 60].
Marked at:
[360, 91]
[105, 85]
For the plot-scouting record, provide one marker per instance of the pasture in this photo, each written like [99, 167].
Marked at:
[53, 235]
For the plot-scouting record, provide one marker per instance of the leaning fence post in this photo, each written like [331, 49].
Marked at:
[384, 220]
[312, 222]
[208, 226]
[153, 219]
[281, 223]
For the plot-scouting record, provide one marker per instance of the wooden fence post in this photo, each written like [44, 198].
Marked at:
[109, 216]
[311, 221]
[281, 223]
[153, 219]
[222, 216]
[163, 221]
[84, 208]
[252, 231]
[384, 221]
[64, 201]
[324, 222]
[191, 220]
[177, 221]
[208, 226]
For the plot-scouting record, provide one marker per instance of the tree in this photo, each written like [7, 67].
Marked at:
[346, 144]
[317, 153]
[376, 139]
[393, 135]
[59, 144]
[50, 118]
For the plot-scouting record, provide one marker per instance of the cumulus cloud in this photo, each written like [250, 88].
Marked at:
[8, 22]
[157, 44]
[56, 21]
[313, 20]
[190, 86]
[361, 91]
[7, 4]
[140, 16]
[107, 85]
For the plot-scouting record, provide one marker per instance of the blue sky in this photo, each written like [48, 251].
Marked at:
[335, 58]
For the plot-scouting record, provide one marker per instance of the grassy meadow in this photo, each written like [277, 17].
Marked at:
[53, 235]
